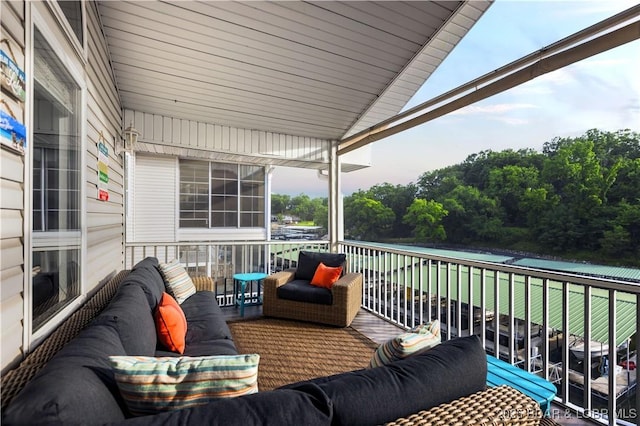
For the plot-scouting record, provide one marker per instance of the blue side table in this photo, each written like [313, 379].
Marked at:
[240, 284]
[503, 373]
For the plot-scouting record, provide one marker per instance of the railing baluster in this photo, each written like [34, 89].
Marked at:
[438, 294]
[511, 327]
[545, 328]
[496, 313]
[613, 377]
[528, 349]
[458, 300]
[471, 314]
[586, 365]
[483, 305]
[564, 384]
[448, 300]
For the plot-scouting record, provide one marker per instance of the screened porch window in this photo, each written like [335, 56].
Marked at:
[220, 195]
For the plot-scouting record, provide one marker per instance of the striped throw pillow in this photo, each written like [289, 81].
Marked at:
[419, 339]
[177, 281]
[152, 385]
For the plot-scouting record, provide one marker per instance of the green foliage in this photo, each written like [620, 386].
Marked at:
[280, 204]
[398, 198]
[366, 218]
[321, 216]
[426, 219]
[578, 197]
[472, 216]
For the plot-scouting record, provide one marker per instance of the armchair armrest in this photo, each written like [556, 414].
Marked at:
[203, 283]
[280, 278]
[347, 293]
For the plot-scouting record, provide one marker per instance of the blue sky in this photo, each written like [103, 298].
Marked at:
[601, 92]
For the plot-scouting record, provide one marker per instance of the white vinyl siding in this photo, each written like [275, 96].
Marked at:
[104, 219]
[12, 205]
[188, 138]
[103, 233]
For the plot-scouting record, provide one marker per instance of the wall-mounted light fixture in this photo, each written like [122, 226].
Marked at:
[129, 139]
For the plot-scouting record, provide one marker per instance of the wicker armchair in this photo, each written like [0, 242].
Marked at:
[346, 300]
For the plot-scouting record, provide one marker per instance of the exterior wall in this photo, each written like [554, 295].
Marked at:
[12, 166]
[102, 222]
[173, 136]
[154, 181]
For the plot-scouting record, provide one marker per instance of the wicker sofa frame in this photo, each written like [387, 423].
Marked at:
[347, 300]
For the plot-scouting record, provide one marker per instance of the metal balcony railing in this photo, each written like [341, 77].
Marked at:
[576, 331]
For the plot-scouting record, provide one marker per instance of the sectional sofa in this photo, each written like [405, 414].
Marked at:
[77, 385]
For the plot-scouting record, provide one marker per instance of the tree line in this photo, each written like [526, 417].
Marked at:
[579, 198]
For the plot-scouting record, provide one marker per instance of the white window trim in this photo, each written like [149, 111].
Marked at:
[74, 66]
[80, 49]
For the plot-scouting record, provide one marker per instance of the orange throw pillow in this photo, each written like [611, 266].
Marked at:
[171, 324]
[326, 276]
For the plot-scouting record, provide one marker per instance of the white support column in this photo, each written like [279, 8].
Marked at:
[335, 200]
[267, 201]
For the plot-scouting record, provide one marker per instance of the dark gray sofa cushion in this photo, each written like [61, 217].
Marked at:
[204, 348]
[308, 262]
[303, 291]
[76, 386]
[451, 370]
[147, 275]
[207, 331]
[205, 320]
[134, 320]
[306, 406]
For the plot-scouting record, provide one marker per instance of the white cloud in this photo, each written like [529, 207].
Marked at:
[492, 109]
[511, 120]
[559, 77]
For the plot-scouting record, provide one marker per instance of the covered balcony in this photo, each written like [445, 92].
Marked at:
[542, 318]
[212, 96]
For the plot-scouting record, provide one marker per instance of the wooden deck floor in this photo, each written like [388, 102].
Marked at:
[379, 330]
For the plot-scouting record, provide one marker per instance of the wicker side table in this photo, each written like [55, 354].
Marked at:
[500, 405]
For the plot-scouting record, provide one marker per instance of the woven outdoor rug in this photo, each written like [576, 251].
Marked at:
[291, 351]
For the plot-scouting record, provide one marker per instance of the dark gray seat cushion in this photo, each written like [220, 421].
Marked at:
[303, 291]
[76, 386]
[207, 331]
[205, 320]
[451, 370]
[204, 348]
[306, 406]
[308, 262]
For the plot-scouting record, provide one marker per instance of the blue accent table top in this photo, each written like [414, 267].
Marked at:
[240, 284]
[252, 276]
[502, 373]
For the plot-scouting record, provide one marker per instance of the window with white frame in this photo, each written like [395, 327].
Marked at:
[56, 187]
[221, 195]
[72, 10]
